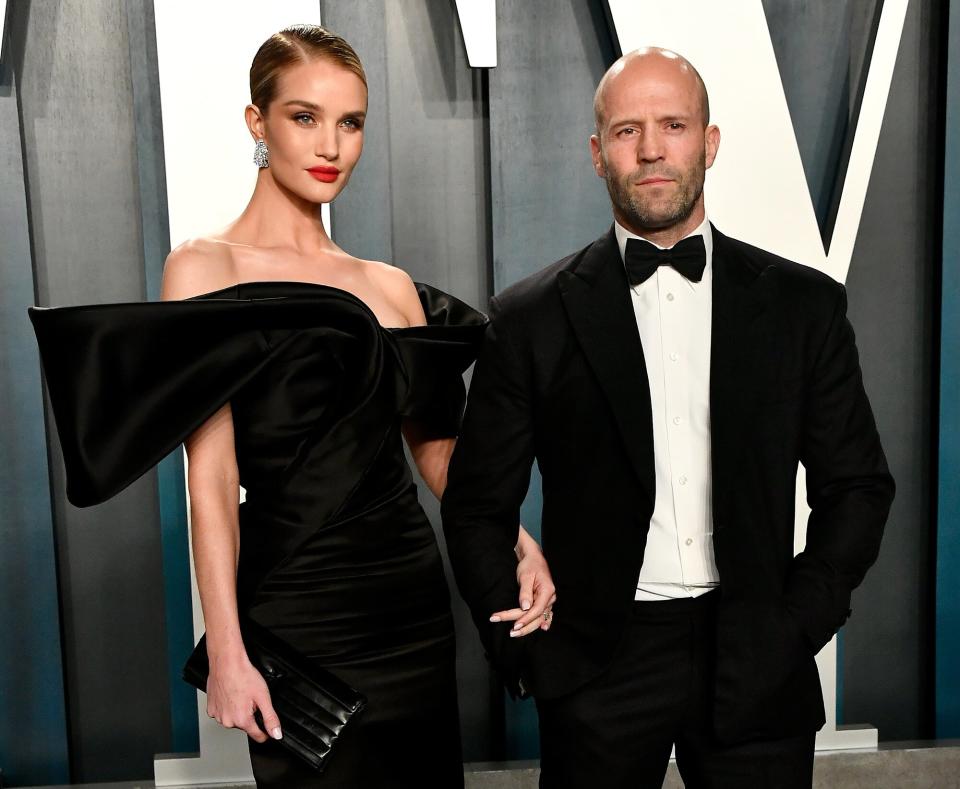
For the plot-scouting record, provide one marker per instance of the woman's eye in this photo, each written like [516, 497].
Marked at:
[352, 123]
[303, 118]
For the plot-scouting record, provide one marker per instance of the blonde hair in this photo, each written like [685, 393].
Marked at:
[292, 45]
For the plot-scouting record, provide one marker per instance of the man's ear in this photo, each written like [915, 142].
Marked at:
[596, 153]
[711, 142]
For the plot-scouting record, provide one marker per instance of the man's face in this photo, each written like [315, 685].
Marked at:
[652, 147]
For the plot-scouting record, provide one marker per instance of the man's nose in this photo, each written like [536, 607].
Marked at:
[650, 146]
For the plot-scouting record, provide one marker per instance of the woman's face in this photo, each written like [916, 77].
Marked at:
[314, 128]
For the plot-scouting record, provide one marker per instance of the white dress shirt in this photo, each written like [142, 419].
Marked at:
[673, 316]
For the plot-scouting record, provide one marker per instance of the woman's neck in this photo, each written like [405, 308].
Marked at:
[276, 217]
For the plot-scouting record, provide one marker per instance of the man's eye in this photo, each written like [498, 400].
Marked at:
[676, 125]
[628, 131]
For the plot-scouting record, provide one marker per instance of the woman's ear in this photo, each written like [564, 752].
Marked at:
[255, 122]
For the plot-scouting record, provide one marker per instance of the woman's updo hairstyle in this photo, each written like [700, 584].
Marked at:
[293, 45]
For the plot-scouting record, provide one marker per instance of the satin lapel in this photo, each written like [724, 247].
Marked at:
[597, 300]
[742, 342]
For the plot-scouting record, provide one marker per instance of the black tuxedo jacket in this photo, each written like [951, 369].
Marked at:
[561, 379]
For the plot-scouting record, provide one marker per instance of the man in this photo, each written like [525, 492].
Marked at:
[668, 397]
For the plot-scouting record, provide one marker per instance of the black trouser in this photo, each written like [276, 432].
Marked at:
[617, 730]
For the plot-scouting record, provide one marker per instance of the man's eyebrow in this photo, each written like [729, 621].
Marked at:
[670, 116]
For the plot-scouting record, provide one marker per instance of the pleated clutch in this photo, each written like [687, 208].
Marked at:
[313, 705]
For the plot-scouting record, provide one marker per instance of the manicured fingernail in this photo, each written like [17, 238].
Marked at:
[517, 625]
[525, 605]
[494, 618]
[276, 733]
[514, 633]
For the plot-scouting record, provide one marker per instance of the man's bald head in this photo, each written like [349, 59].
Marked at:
[649, 60]
[654, 142]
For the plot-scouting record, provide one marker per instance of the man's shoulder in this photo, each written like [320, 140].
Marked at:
[797, 279]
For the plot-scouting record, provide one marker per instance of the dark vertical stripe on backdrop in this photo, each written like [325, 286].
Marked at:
[33, 727]
[948, 527]
[546, 199]
[155, 230]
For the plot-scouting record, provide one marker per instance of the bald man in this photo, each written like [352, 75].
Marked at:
[668, 380]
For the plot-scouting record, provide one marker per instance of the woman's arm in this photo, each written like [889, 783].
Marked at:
[235, 689]
[537, 592]
[432, 458]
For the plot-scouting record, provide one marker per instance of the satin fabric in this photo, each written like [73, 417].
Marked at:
[336, 554]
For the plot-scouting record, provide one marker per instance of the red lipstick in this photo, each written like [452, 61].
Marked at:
[326, 174]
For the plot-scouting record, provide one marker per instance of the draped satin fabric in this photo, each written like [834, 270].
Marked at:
[336, 554]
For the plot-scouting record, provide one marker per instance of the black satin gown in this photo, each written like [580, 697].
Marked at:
[336, 554]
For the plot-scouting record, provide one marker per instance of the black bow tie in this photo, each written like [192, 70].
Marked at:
[642, 258]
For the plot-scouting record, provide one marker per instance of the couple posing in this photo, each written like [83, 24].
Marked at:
[666, 378]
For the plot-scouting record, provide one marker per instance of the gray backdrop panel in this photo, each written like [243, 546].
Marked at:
[547, 201]
[81, 167]
[33, 727]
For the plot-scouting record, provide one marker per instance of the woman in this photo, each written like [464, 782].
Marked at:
[290, 368]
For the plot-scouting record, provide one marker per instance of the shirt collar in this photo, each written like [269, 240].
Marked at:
[703, 229]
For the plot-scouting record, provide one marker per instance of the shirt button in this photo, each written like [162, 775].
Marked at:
[674, 357]
[683, 480]
[676, 420]
[669, 297]
[689, 541]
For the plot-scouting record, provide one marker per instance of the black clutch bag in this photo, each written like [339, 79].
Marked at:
[312, 704]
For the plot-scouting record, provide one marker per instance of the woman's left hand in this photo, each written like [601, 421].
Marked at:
[537, 594]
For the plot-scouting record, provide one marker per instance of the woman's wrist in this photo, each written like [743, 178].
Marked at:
[225, 647]
[519, 550]
[525, 544]
[228, 657]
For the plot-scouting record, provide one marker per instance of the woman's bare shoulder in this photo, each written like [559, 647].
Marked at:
[200, 265]
[398, 288]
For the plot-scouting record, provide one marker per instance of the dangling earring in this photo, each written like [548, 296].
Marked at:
[261, 155]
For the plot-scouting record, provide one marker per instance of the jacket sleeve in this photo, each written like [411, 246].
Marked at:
[849, 488]
[487, 482]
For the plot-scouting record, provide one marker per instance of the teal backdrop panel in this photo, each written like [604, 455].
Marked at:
[948, 531]
[33, 727]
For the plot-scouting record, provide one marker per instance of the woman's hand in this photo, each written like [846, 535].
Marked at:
[235, 690]
[537, 592]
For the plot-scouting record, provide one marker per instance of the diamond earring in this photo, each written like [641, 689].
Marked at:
[261, 155]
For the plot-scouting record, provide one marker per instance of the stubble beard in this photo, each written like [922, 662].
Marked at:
[657, 214]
